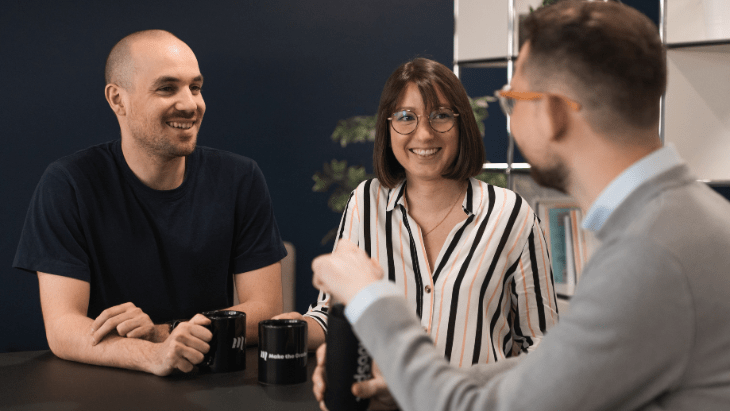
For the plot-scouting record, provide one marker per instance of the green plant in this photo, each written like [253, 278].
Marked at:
[545, 3]
[340, 179]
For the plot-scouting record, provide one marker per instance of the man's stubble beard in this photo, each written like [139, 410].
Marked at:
[555, 177]
[156, 145]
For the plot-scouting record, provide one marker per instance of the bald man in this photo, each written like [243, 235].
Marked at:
[129, 236]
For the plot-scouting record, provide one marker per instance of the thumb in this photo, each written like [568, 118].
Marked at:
[200, 319]
[379, 270]
[367, 388]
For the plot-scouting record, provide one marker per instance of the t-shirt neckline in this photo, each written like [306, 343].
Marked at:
[147, 191]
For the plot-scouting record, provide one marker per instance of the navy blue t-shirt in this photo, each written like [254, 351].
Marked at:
[171, 253]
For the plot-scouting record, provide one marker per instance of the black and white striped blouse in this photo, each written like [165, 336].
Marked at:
[490, 295]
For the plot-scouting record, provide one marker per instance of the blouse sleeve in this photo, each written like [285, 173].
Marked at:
[348, 229]
[534, 304]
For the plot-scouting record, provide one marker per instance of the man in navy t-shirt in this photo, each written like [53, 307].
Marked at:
[130, 235]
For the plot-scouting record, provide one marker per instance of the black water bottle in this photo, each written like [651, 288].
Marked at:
[347, 363]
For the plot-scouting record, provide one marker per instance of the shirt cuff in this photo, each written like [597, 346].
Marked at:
[369, 296]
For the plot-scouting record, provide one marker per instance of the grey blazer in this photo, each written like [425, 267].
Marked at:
[648, 328]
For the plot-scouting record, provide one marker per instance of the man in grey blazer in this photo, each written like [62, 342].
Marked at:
[648, 326]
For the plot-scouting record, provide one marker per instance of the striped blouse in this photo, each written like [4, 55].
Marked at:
[491, 293]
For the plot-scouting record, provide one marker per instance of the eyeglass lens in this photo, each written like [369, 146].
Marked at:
[406, 121]
[507, 104]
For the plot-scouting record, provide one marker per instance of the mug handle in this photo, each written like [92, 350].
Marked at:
[210, 356]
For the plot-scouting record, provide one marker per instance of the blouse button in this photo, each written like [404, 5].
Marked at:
[428, 289]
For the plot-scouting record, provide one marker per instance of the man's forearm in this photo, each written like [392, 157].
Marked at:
[69, 337]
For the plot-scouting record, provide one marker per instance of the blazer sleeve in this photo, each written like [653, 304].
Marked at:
[626, 341]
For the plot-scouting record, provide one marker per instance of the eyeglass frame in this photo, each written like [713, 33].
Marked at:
[506, 93]
[418, 120]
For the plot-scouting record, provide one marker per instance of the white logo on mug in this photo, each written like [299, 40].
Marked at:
[264, 354]
[238, 342]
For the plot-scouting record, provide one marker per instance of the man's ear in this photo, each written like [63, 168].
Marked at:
[558, 114]
[113, 94]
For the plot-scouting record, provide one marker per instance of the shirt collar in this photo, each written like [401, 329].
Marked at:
[472, 201]
[396, 196]
[616, 192]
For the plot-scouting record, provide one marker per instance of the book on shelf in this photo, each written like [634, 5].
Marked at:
[569, 245]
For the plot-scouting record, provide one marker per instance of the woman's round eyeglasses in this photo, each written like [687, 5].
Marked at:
[406, 121]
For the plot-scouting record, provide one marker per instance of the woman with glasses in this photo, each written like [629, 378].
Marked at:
[469, 257]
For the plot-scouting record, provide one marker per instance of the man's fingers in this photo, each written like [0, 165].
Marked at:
[125, 327]
[318, 384]
[200, 319]
[318, 387]
[109, 313]
[108, 326]
[141, 332]
[321, 354]
[199, 332]
[368, 388]
[192, 335]
[378, 268]
[193, 355]
[185, 366]
[184, 351]
[345, 245]
[319, 265]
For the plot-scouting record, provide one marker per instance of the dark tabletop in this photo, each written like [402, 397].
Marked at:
[38, 380]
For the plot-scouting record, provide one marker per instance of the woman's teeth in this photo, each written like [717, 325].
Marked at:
[424, 152]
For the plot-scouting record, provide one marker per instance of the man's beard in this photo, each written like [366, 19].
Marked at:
[554, 177]
[158, 146]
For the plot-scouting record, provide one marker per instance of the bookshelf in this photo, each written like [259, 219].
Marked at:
[696, 108]
[486, 36]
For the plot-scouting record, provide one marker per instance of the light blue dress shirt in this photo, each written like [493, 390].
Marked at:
[615, 193]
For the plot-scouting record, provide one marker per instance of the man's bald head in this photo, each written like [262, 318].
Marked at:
[120, 64]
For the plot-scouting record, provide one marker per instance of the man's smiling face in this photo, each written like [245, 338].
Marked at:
[165, 105]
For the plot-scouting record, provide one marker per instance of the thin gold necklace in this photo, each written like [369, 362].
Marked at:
[458, 196]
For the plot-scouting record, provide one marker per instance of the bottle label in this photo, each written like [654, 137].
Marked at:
[363, 364]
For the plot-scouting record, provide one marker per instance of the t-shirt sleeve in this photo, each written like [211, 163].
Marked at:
[257, 243]
[52, 240]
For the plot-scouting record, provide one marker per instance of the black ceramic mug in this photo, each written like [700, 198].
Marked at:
[282, 351]
[228, 345]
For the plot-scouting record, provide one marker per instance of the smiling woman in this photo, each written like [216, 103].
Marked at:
[452, 264]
